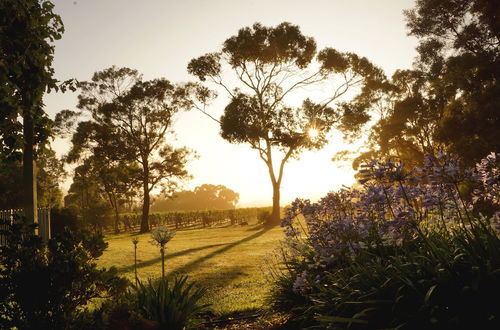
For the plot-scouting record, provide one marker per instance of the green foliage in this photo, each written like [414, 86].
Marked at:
[47, 287]
[50, 174]
[270, 65]
[86, 200]
[448, 286]
[263, 216]
[29, 29]
[129, 126]
[174, 304]
[450, 100]
[408, 251]
[62, 219]
[111, 182]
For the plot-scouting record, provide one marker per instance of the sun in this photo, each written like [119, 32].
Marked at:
[312, 132]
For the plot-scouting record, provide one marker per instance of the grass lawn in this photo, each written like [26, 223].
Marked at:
[230, 262]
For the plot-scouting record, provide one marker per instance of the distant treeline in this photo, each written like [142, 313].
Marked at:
[194, 219]
[203, 197]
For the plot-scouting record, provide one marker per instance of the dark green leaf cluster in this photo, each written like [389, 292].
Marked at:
[46, 287]
[450, 100]
[27, 32]
[50, 170]
[281, 44]
[124, 142]
[173, 303]
[206, 65]
[442, 280]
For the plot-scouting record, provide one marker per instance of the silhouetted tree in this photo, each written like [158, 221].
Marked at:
[216, 196]
[409, 115]
[272, 65]
[28, 29]
[138, 116]
[116, 173]
[50, 173]
[451, 99]
[85, 198]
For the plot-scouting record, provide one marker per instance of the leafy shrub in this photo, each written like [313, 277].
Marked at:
[174, 305]
[263, 216]
[61, 219]
[47, 287]
[409, 250]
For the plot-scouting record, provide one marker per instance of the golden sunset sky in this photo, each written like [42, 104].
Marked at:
[159, 38]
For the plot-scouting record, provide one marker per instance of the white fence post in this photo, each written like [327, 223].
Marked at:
[7, 217]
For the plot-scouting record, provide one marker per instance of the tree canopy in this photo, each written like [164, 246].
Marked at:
[129, 123]
[451, 99]
[28, 30]
[272, 65]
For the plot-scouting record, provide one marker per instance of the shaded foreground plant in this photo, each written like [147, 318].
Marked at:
[161, 236]
[48, 286]
[409, 250]
[135, 241]
[174, 304]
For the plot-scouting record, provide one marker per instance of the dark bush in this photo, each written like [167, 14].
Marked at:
[62, 219]
[48, 286]
[174, 304]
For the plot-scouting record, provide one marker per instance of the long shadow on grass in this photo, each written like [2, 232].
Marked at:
[176, 254]
[216, 279]
[189, 266]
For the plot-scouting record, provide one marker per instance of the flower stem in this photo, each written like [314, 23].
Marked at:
[162, 251]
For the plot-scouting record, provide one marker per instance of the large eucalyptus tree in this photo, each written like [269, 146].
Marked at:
[271, 66]
[129, 120]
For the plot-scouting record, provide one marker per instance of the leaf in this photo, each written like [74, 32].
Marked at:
[429, 293]
[339, 319]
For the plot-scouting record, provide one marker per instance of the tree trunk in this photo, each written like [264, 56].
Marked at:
[146, 200]
[275, 217]
[29, 170]
[117, 220]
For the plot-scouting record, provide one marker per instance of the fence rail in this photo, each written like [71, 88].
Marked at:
[7, 217]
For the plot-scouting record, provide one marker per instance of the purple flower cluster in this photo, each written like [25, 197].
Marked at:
[488, 172]
[394, 205]
[301, 285]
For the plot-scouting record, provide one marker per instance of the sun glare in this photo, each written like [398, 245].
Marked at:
[312, 132]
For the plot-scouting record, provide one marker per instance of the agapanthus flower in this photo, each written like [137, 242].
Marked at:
[300, 285]
[162, 235]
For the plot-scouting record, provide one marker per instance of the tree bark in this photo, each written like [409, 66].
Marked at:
[275, 217]
[117, 220]
[146, 199]
[29, 169]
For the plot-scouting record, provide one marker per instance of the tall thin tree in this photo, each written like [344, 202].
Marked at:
[139, 114]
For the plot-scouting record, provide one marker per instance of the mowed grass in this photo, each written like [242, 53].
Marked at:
[231, 262]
